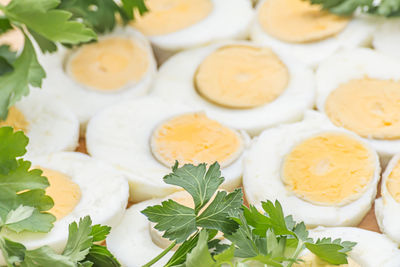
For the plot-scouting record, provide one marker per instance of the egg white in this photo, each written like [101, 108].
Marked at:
[229, 19]
[86, 102]
[387, 209]
[387, 37]
[372, 249]
[358, 32]
[52, 126]
[356, 64]
[121, 135]
[262, 174]
[131, 243]
[175, 84]
[104, 196]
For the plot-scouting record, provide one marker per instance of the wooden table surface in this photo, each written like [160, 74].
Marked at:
[369, 222]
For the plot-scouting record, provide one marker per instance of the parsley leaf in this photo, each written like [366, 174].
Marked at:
[333, 252]
[7, 57]
[42, 17]
[12, 252]
[386, 8]
[5, 25]
[12, 145]
[14, 85]
[79, 239]
[130, 5]
[100, 232]
[100, 256]
[200, 256]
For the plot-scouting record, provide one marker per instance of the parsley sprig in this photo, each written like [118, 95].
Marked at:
[266, 237]
[51, 22]
[23, 207]
[384, 8]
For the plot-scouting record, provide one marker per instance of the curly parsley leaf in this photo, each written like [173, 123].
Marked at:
[385, 8]
[42, 17]
[15, 85]
[200, 183]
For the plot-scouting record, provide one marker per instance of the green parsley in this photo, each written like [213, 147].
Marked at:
[384, 8]
[266, 237]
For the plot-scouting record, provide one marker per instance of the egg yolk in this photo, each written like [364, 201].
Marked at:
[311, 260]
[369, 107]
[329, 169]
[298, 21]
[16, 119]
[65, 193]
[194, 138]
[393, 183]
[241, 76]
[109, 64]
[168, 16]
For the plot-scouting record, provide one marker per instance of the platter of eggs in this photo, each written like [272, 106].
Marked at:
[296, 104]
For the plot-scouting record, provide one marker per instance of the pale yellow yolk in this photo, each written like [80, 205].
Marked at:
[393, 183]
[15, 119]
[65, 193]
[329, 169]
[241, 76]
[194, 138]
[109, 64]
[298, 21]
[311, 260]
[369, 107]
[168, 16]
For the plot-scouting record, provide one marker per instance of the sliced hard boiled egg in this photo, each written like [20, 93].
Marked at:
[79, 186]
[144, 137]
[387, 207]
[119, 66]
[372, 249]
[387, 37]
[50, 125]
[307, 33]
[173, 25]
[242, 85]
[359, 89]
[321, 174]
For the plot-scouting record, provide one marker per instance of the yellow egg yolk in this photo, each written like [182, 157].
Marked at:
[65, 193]
[393, 182]
[311, 260]
[15, 119]
[329, 169]
[168, 16]
[109, 64]
[194, 138]
[369, 107]
[241, 76]
[297, 21]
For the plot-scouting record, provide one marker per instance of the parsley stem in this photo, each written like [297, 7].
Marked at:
[299, 248]
[159, 256]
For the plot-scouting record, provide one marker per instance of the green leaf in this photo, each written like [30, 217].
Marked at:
[200, 184]
[200, 256]
[7, 57]
[226, 256]
[388, 8]
[79, 239]
[130, 5]
[101, 257]
[15, 85]
[37, 222]
[178, 221]
[276, 217]
[180, 254]
[333, 252]
[42, 17]
[99, 232]
[5, 25]
[45, 256]
[12, 252]
[12, 145]
[45, 44]
[217, 214]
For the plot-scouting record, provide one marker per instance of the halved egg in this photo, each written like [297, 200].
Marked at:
[372, 249]
[173, 25]
[321, 174]
[145, 136]
[305, 32]
[49, 124]
[119, 66]
[359, 89]
[240, 84]
[135, 242]
[387, 207]
[79, 186]
[387, 37]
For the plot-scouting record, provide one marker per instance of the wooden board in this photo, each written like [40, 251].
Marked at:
[369, 222]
